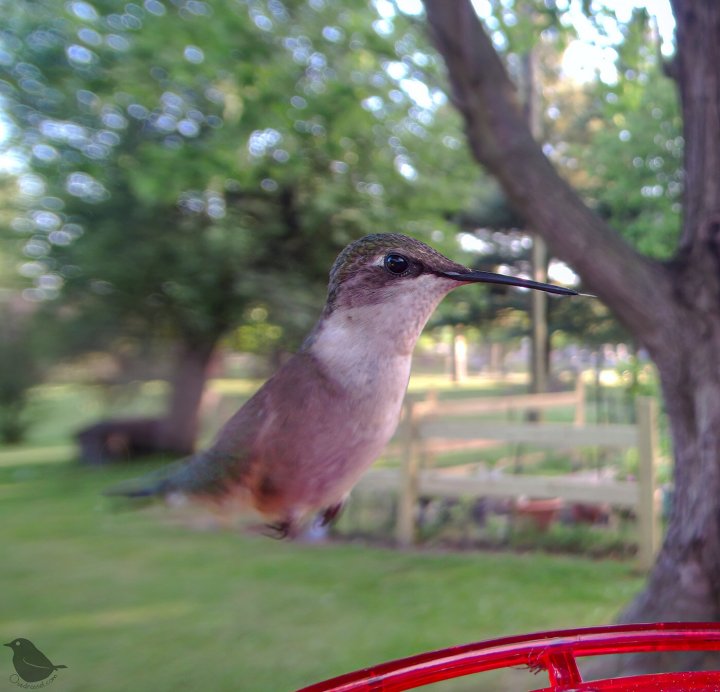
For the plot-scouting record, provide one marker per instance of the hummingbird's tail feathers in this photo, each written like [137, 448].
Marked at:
[156, 484]
[198, 475]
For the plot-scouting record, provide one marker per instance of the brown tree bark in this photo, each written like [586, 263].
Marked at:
[180, 427]
[672, 309]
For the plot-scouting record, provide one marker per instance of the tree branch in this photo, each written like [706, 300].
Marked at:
[501, 140]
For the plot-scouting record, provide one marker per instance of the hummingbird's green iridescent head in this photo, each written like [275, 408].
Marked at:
[368, 269]
[378, 267]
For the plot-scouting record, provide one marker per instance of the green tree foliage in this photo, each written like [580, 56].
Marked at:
[633, 156]
[215, 155]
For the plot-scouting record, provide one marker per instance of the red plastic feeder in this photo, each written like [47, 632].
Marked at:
[555, 653]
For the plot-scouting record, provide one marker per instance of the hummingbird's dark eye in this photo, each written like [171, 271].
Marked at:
[396, 264]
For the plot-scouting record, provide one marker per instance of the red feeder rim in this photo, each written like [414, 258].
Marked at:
[554, 652]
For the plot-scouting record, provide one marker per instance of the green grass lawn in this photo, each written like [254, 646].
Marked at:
[135, 600]
[130, 600]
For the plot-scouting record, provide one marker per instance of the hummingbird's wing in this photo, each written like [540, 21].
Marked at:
[209, 472]
[269, 444]
[254, 448]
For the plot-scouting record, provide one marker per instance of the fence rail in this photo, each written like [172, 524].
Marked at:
[426, 430]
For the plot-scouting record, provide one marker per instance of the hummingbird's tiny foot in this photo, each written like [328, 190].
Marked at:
[279, 530]
[276, 531]
[331, 513]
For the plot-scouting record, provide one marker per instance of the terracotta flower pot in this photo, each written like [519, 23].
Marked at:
[542, 512]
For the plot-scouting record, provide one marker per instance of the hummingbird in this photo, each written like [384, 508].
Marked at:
[296, 448]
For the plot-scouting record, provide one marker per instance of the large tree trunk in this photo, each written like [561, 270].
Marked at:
[672, 309]
[118, 440]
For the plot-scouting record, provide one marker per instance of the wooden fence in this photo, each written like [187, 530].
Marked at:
[430, 427]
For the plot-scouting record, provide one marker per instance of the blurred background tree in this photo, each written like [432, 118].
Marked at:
[631, 165]
[182, 165]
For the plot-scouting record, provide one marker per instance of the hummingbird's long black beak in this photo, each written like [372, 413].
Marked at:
[491, 278]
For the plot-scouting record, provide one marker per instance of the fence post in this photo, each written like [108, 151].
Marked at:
[407, 499]
[580, 400]
[649, 527]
